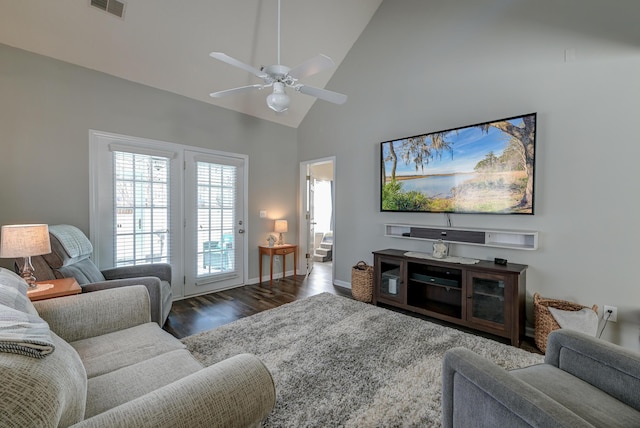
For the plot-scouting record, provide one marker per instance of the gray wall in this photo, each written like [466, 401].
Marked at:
[424, 66]
[419, 66]
[47, 108]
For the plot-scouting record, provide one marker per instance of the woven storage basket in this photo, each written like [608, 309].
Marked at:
[362, 282]
[545, 323]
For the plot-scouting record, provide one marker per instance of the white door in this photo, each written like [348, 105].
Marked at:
[310, 250]
[214, 223]
[311, 172]
[155, 201]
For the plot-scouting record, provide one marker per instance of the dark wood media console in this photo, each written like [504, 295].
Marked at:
[482, 296]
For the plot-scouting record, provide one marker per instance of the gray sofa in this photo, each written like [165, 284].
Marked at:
[99, 361]
[70, 256]
[584, 382]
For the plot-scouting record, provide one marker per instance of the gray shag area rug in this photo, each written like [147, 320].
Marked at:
[337, 362]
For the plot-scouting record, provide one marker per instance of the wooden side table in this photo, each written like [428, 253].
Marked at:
[61, 287]
[279, 250]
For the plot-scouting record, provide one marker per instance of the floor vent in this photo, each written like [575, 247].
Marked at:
[114, 7]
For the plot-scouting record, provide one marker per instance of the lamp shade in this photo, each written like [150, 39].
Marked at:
[281, 226]
[24, 240]
[278, 101]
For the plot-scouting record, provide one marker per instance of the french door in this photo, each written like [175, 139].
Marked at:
[156, 202]
[214, 223]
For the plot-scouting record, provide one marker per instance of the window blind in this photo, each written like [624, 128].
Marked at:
[216, 212]
[141, 204]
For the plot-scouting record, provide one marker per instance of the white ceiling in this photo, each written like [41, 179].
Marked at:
[165, 44]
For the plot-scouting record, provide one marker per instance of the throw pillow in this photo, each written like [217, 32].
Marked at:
[13, 292]
[584, 320]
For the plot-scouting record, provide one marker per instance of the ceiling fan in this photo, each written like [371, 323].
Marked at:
[281, 77]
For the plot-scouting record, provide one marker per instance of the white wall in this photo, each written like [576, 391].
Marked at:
[47, 108]
[424, 66]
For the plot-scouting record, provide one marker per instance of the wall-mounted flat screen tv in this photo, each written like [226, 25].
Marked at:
[487, 168]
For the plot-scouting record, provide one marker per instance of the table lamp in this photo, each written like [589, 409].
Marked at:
[281, 227]
[25, 240]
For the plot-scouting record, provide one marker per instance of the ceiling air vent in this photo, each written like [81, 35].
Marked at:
[114, 7]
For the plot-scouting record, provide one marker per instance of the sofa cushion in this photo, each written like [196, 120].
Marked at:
[47, 392]
[113, 351]
[582, 398]
[128, 383]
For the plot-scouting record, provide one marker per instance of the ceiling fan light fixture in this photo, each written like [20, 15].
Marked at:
[278, 101]
[280, 76]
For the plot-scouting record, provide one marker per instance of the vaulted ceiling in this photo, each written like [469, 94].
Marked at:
[165, 44]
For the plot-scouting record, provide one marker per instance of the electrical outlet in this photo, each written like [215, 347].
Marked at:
[614, 313]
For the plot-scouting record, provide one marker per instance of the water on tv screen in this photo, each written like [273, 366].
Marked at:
[487, 168]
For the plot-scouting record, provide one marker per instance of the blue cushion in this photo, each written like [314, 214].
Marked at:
[84, 271]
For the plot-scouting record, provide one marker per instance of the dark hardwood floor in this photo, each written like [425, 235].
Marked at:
[201, 313]
[197, 314]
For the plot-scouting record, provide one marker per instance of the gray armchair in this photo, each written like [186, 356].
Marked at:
[584, 382]
[70, 257]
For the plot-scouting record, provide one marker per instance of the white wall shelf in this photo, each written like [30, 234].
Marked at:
[499, 238]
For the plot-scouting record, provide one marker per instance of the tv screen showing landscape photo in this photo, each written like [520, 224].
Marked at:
[487, 168]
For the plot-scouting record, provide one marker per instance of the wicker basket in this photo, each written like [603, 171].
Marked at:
[545, 323]
[362, 282]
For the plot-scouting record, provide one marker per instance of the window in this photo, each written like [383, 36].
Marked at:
[141, 204]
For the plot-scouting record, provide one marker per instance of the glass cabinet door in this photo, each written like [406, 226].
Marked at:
[486, 299]
[390, 281]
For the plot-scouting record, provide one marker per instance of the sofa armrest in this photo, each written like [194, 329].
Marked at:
[609, 367]
[153, 288]
[159, 270]
[237, 392]
[93, 314]
[477, 392]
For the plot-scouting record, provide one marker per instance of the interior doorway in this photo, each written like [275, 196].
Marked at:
[317, 213]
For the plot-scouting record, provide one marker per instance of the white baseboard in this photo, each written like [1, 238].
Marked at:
[342, 284]
[265, 278]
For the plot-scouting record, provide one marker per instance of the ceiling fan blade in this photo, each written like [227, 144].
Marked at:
[312, 66]
[232, 61]
[234, 91]
[323, 94]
